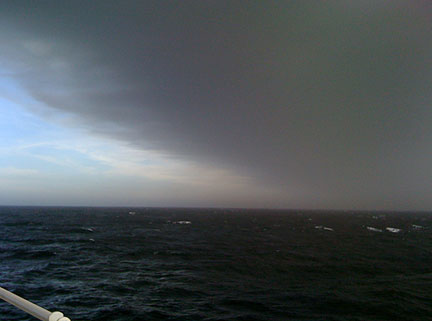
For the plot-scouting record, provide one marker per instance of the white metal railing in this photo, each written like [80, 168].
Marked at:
[31, 308]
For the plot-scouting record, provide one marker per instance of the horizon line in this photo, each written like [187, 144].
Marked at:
[221, 208]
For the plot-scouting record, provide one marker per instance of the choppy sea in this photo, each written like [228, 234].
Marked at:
[217, 264]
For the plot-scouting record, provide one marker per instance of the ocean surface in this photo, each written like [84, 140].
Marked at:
[207, 264]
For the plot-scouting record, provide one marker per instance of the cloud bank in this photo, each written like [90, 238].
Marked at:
[327, 103]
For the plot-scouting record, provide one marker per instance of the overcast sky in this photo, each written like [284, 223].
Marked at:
[294, 104]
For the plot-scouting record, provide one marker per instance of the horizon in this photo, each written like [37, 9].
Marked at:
[347, 211]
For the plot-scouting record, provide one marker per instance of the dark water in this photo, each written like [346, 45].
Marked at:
[104, 264]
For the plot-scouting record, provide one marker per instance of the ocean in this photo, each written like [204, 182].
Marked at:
[217, 264]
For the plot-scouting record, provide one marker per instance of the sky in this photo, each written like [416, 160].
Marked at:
[270, 104]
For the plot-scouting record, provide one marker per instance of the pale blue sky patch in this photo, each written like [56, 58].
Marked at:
[45, 160]
[28, 141]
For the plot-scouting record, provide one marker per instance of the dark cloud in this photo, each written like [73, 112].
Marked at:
[332, 98]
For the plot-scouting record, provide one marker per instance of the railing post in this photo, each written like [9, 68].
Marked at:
[30, 307]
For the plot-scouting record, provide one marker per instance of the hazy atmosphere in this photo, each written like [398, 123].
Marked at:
[276, 104]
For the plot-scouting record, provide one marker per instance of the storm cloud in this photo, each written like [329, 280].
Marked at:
[329, 100]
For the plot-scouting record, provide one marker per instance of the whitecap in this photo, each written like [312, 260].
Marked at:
[182, 222]
[417, 227]
[393, 230]
[373, 229]
[325, 228]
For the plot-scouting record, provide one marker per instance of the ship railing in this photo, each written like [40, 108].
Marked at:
[31, 308]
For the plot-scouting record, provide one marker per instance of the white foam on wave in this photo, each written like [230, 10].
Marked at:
[393, 229]
[324, 228]
[417, 227]
[182, 222]
[373, 229]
